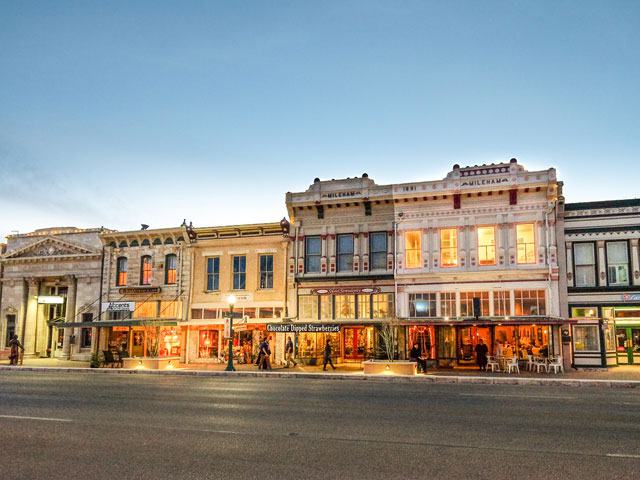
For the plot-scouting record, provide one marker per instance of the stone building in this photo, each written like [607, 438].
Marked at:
[51, 277]
[601, 271]
[248, 261]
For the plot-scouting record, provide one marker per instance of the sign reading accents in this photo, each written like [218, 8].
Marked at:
[118, 306]
[345, 290]
[302, 328]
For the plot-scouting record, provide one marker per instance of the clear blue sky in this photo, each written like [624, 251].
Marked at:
[119, 113]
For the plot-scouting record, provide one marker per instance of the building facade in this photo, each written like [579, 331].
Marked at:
[602, 275]
[477, 259]
[146, 285]
[51, 277]
[248, 262]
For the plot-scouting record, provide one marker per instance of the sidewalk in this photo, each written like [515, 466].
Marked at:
[623, 376]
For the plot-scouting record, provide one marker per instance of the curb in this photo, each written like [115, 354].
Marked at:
[442, 379]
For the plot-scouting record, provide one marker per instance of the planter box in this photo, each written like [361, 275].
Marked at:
[385, 367]
[152, 363]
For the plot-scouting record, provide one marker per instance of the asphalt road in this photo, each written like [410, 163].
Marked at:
[67, 426]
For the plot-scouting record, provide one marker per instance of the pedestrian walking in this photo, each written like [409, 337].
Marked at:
[481, 355]
[14, 355]
[288, 353]
[264, 355]
[327, 356]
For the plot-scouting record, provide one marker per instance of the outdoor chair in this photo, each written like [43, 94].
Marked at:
[512, 365]
[493, 364]
[540, 365]
[556, 365]
[530, 363]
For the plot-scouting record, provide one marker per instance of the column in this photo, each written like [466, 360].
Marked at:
[570, 280]
[70, 315]
[635, 267]
[30, 319]
[602, 271]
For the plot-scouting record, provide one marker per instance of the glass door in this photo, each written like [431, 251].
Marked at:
[356, 343]
[624, 345]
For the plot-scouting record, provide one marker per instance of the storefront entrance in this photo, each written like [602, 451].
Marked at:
[468, 338]
[358, 342]
[628, 345]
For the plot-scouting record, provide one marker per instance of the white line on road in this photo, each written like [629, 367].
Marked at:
[491, 395]
[622, 455]
[44, 419]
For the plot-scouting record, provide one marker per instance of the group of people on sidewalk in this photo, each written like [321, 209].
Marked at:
[264, 362]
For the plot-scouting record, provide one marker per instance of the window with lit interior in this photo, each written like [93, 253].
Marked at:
[486, 245]
[121, 271]
[413, 249]
[526, 243]
[146, 270]
[171, 269]
[448, 247]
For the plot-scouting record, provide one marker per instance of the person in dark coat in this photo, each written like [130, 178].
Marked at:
[415, 355]
[264, 356]
[481, 355]
[327, 356]
[288, 353]
[14, 344]
[260, 354]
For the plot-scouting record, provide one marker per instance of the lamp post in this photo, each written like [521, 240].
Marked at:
[231, 300]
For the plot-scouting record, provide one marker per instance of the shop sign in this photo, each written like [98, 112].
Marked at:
[138, 290]
[351, 193]
[631, 297]
[120, 329]
[345, 290]
[303, 328]
[227, 328]
[118, 306]
[481, 182]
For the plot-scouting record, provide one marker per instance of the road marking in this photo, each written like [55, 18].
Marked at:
[44, 419]
[622, 455]
[551, 397]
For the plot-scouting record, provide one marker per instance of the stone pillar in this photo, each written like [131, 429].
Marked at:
[29, 333]
[635, 265]
[70, 315]
[569, 257]
[602, 271]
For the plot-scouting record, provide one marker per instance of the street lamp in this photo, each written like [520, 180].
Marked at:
[231, 300]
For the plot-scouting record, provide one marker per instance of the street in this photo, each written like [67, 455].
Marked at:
[66, 426]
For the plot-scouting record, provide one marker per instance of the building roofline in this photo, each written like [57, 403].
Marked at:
[628, 202]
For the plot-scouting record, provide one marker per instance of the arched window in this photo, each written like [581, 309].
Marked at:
[171, 269]
[146, 270]
[121, 271]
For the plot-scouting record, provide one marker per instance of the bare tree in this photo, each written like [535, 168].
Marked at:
[389, 331]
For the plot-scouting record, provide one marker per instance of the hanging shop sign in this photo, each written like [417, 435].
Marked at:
[303, 328]
[138, 290]
[118, 306]
[481, 182]
[345, 290]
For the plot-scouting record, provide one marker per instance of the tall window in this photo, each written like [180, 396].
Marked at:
[364, 306]
[266, 271]
[448, 304]
[239, 272]
[171, 269]
[121, 271]
[345, 306]
[312, 249]
[326, 307]
[449, 247]
[413, 249]
[526, 243]
[487, 245]
[345, 253]
[85, 337]
[378, 250]
[466, 303]
[422, 304]
[584, 258]
[530, 302]
[146, 270]
[11, 329]
[213, 274]
[382, 305]
[617, 263]
[501, 303]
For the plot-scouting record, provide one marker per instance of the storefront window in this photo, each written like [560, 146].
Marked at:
[448, 304]
[530, 302]
[311, 345]
[526, 243]
[584, 259]
[383, 305]
[308, 307]
[208, 343]
[584, 312]
[345, 306]
[610, 338]
[586, 338]
[169, 342]
[364, 306]
[85, 338]
[424, 336]
[466, 303]
[501, 303]
[486, 245]
[413, 249]
[446, 344]
[422, 305]
[326, 307]
[449, 247]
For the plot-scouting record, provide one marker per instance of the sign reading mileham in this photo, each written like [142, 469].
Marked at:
[302, 328]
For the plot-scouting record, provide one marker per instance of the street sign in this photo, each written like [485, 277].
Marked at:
[240, 328]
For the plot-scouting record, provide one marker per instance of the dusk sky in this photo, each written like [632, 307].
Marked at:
[122, 113]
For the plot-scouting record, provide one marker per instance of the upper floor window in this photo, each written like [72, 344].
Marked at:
[213, 274]
[584, 258]
[413, 249]
[422, 304]
[526, 243]
[312, 253]
[345, 253]
[171, 269]
[146, 270]
[486, 245]
[618, 263]
[266, 271]
[378, 250]
[308, 307]
[449, 247]
[121, 271]
[530, 302]
[448, 304]
[501, 303]
[239, 272]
